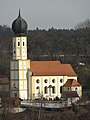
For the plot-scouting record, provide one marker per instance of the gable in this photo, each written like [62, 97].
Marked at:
[71, 83]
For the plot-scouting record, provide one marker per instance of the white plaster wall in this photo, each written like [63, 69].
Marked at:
[20, 74]
[18, 52]
[42, 85]
[20, 65]
[24, 64]
[72, 77]
[23, 94]
[25, 74]
[25, 85]
[20, 85]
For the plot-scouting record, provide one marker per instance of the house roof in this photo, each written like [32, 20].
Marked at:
[71, 83]
[51, 68]
[69, 94]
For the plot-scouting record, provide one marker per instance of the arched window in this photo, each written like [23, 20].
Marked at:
[23, 43]
[53, 89]
[45, 80]
[53, 80]
[68, 88]
[60, 89]
[46, 90]
[38, 88]
[18, 43]
[37, 81]
[61, 80]
[76, 89]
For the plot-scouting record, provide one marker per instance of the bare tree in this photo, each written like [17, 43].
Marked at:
[83, 25]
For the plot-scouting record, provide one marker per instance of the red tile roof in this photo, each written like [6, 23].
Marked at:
[71, 83]
[51, 68]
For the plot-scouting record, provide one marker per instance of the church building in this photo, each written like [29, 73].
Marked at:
[36, 79]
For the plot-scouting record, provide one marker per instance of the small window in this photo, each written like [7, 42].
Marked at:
[23, 43]
[61, 80]
[53, 80]
[18, 43]
[46, 90]
[75, 88]
[60, 89]
[37, 81]
[53, 89]
[37, 87]
[14, 52]
[45, 80]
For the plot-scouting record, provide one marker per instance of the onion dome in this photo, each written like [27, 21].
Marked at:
[19, 26]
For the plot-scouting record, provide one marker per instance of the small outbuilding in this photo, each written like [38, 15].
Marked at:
[72, 85]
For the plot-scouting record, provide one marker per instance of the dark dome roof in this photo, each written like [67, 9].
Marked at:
[19, 26]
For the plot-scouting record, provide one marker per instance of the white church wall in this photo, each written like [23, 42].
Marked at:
[57, 83]
[23, 94]
[25, 85]
[20, 85]
[18, 53]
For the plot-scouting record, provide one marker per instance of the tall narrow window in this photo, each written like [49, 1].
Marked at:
[45, 80]
[53, 80]
[46, 90]
[60, 89]
[38, 88]
[53, 89]
[61, 80]
[23, 43]
[37, 81]
[18, 43]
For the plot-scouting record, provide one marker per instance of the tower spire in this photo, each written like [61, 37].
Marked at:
[19, 13]
[19, 26]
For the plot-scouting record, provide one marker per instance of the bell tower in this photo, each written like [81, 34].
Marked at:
[19, 64]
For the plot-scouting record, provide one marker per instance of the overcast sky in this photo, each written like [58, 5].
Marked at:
[45, 14]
